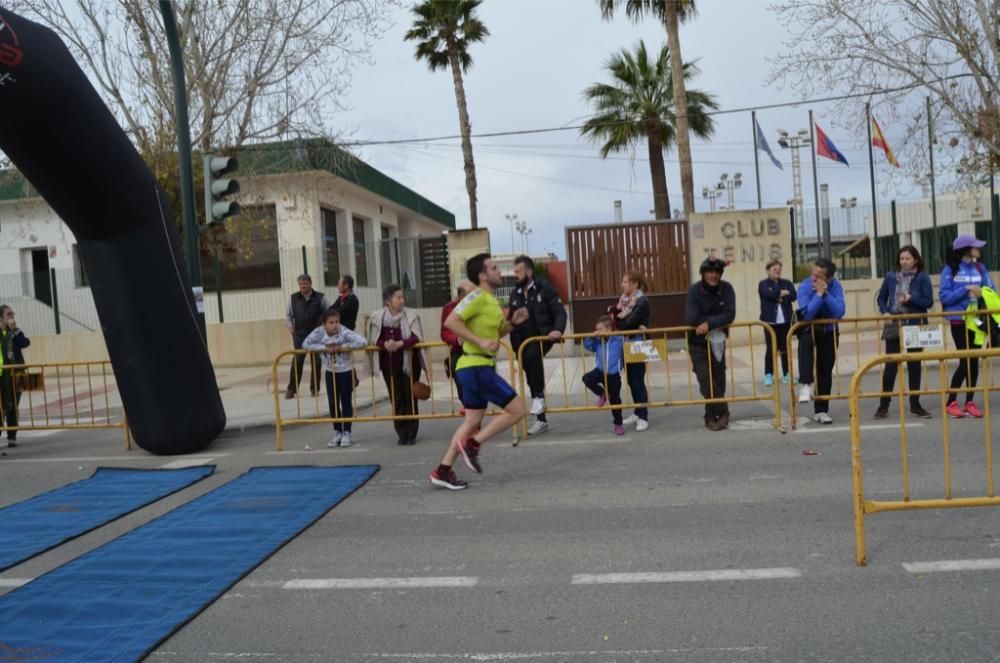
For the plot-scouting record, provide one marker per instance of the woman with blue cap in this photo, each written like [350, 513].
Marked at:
[962, 281]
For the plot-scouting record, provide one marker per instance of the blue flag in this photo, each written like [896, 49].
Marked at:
[762, 145]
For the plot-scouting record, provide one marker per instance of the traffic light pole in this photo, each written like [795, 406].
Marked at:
[184, 155]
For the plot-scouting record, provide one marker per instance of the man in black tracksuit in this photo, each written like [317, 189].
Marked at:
[711, 304]
[305, 308]
[546, 316]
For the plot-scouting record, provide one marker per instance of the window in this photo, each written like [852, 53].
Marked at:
[360, 253]
[79, 274]
[242, 253]
[385, 254]
[331, 255]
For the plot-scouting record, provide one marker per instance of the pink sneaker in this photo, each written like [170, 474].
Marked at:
[955, 410]
[619, 430]
[973, 411]
[602, 401]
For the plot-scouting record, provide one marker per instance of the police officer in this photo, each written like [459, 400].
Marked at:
[545, 316]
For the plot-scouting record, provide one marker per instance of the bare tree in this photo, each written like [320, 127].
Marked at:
[946, 49]
[256, 69]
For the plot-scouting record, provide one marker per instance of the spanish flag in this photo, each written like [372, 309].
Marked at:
[879, 141]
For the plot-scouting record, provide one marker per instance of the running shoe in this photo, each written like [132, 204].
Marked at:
[619, 430]
[823, 418]
[602, 400]
[919, 411]
[955, 411]
[470, 454]
[768, 380]
[335, 440]
[631, 420]
[538, 428]
[641, 425]
[447, 480]
[537, 406]
[973, 411]
[345, 440]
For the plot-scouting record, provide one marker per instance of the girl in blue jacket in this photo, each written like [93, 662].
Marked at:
[610, 361]
[906, 290]
[962, 280]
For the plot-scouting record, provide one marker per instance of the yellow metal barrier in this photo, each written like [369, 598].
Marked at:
[62, 396]
[862, 506]
[656, 348]
[858, 350]
[380, 395]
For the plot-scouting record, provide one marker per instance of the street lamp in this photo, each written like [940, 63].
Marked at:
[524, 230]
[730, 186]
[849, 204]
[795, 143]
[512, 218]
[710, 195]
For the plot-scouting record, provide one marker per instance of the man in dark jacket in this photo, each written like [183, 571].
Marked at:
[12, 344]
[711, 304]
[347, 302]
[305, 308]
[546, 316]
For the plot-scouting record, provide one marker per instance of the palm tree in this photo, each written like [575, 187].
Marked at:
[443, 30]
[672, 13]
[639, 104]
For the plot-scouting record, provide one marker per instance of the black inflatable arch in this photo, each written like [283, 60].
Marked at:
[62, 137]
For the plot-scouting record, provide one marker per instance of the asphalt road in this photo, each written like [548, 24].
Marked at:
[676, 544]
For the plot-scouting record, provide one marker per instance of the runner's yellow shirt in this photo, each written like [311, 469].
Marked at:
[482, 314]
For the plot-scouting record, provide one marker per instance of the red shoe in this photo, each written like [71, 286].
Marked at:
[955, 411]
[973, 411]
[470, 454]
[447, 480]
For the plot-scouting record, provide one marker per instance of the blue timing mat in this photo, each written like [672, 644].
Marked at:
[118, 602]
[41, 523]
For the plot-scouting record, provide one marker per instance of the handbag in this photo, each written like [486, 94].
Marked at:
[890, 331]
[421, 390]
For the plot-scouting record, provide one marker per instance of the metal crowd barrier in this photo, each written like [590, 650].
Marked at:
[849, 361]
[380, 403]
[862, 506]
[62, 396]
[654, 347]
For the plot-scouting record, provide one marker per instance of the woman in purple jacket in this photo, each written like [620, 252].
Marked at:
[962, 281]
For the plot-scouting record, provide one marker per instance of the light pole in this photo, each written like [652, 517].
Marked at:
[730, 186]
[512, 218]
[524, 230]
[795, 143]
[849, 204]
[710, 195]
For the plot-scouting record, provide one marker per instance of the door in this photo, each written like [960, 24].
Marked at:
[40, 275]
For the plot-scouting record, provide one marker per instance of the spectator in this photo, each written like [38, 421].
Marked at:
[395, 330]
[962, 281]
[452, 339]
[336, 342]
[546, 316]
[301, 317]
[906, 290]
[711, 305]
[632, 313]
[347, 302]
[609, 360]
[821, 297]
[12, 345]
[776, 297]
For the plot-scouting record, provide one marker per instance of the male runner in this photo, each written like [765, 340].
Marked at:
[479, 321]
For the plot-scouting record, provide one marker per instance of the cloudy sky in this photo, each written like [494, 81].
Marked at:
[530, 74]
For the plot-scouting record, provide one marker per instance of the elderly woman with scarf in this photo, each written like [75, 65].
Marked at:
[395, 330]
[632, 312]
[906, 290]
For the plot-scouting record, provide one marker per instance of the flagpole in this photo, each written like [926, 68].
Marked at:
[756, 155]
[819, 232]
[871, 173]
[930, 149]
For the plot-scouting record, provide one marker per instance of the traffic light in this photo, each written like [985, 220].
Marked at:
[217, 208]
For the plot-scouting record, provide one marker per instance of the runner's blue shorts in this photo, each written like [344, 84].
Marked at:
[481, 386]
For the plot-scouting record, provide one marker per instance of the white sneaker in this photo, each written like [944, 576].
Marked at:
[345, 439]
[631, 421]
[537, 406]
[538, 428]
[823, 418]
[641, 425]
[805, 393]
[335, 440]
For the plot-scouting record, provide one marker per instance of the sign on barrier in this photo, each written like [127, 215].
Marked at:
[923, 337]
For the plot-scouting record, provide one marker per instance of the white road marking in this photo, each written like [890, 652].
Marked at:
[685, 576]
[381, 583]
[186, 462]
[607, 654]
[14, 582]
[534, 442]
[819, 428]
[319, 450]
[100, 459]
[953, 565]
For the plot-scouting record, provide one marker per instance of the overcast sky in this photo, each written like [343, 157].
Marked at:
[530, 74]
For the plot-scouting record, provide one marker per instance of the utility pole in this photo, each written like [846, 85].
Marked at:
[795, 143]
